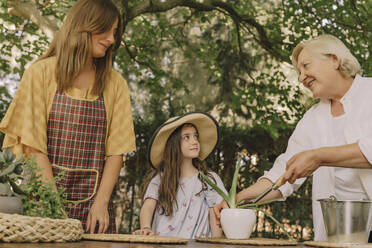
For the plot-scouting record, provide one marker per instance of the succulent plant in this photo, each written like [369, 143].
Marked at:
[10, 172]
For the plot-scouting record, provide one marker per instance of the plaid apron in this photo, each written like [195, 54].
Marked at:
[76, 144]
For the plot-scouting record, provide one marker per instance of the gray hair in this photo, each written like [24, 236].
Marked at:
[327, 45]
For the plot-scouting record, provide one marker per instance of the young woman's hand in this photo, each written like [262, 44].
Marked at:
[217, 211]
[144, 231]
[98, 214]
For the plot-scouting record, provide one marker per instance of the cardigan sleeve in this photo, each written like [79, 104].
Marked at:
[120, 136]
[25, 121]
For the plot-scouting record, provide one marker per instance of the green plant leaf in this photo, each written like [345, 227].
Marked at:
[251, 205]
[8, 155]
[235, 181]
[2, 159]
[8, 170]
[243, 200]
[226, 197]
[275, 220]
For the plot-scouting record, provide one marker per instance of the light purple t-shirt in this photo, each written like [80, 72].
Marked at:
[191, 218]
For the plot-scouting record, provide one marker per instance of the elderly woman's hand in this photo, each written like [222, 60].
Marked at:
[302, 164]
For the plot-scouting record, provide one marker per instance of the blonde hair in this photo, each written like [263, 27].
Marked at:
[72, 43]
[327, 45]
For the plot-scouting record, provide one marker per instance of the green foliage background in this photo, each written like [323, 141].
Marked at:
[228, 58]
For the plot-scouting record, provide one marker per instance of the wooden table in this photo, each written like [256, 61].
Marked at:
[105, 244]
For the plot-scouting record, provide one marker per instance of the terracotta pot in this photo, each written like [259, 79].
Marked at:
[238, 223]
[10, 204]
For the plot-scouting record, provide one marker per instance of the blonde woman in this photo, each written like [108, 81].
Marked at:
[72, 112]
[333, 141]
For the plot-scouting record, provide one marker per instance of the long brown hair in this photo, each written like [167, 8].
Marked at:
[73, 42]
[170, 172]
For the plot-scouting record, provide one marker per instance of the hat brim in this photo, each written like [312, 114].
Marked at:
[208, 135]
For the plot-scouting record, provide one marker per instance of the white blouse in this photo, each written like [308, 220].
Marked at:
[317, 129]
[348, 185]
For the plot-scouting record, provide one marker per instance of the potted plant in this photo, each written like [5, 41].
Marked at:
[10, 174]
[238, 220]
[41, 199]
[43, 218]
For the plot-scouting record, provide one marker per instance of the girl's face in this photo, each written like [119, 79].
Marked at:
[102, 41]
[190, 146]
[318, 73]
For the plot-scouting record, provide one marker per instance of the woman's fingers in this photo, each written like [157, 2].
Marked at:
[93, 224]
[217, 211]
[101, 225]
[107, 223]
[87, 227]
[143, 232]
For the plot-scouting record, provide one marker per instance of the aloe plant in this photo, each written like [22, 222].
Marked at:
[10, 173]
[230, 198]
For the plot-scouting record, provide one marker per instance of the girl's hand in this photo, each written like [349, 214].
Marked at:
[98, 213]
[217, 211]
[144, 231]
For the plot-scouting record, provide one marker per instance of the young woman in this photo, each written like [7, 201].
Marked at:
[73, 111]
[182, 202]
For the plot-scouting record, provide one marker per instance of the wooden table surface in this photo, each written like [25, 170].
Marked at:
[105, 244]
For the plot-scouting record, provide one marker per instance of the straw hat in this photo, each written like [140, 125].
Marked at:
[208, 135]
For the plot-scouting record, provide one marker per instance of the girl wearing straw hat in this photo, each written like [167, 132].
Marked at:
[182, 202]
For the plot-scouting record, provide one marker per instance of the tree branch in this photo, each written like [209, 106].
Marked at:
[28, 10]
[155, 6]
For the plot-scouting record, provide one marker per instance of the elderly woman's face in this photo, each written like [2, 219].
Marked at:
[317, 73]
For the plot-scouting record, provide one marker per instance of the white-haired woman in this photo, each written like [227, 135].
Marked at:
[333, 141]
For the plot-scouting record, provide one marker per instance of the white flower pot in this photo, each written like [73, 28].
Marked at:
[238, 223]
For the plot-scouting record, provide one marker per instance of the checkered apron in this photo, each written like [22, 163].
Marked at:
[76, 143]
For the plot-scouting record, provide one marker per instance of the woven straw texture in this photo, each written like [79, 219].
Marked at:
[252, 241]
[135, 238]
[20, 228]
[335, 245]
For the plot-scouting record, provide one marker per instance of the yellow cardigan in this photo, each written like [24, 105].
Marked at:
[25, 122]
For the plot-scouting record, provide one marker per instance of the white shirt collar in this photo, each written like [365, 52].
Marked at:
[352, 90]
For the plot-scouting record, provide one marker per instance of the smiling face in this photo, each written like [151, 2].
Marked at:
[318, 73]
[190, 146]
[102, 41]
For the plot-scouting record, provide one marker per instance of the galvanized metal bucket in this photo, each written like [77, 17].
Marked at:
[347, 221]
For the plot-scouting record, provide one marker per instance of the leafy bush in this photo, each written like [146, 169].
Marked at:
[42, 199]
[21, 177]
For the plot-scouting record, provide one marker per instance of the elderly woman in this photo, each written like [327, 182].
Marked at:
[333, 141]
